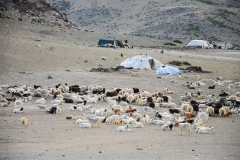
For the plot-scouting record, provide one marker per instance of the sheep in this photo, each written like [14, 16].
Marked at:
[41, 101]
[130, 99]
[222, 112]
[18, 102]
[148, 109]
[137, 124]
[210, 111]
[185, 127]
[72, 108]
[198, 124]
[204, 130]
[190, 109]
[144, 94]
[124, 128]
[184, 107]
[18, 110]
[203, 116]
[166, 98]
[157, 121]
[24, 121]
[141, 102]
[165, 127]
[164, 105]
[145, 119]
[135, 115]
[59, 110]
[85, 125]
[5, 104]
[114, 119]
[127, 120]
[124, 104]
[99, 112]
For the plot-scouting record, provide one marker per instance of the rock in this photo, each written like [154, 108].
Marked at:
[49, 77]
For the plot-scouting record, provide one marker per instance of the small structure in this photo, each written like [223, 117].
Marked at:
[199, 44]
[224, 45]
[168, 70]
[110, 42]
[141, 62]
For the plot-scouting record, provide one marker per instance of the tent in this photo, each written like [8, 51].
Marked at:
[141, 62]
[199, 44]
[110, 42]
[168, 70]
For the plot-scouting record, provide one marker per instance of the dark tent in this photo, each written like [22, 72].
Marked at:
[110, 42]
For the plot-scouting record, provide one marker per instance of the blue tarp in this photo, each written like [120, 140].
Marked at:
[168, 70]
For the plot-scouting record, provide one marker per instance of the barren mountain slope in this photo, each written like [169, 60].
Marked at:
[173, 19]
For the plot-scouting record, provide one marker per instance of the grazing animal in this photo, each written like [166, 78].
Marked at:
[52, 110]
[41, 101]
[69, 117]
[94, 120]
[211, 87]
[137, 124]
[85, 125]
[172, 111]
[189, 115]
[24, 121]
[204, 130]
[165, 127]
[185, 127]
[125, 128]
[222, 112]
[18, 110]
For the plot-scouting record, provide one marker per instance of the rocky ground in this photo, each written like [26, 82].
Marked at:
[29, 53]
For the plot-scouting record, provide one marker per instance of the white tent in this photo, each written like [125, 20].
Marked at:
[168, 70]
[142, 62]
[199, 43]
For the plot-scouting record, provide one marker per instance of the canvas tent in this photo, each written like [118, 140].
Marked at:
[168, 70]
[224, 45]
[199, 44]
[141, 62]
[110, 42]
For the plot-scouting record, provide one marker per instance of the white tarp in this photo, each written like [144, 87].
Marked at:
[142, 62]
[199, 43]
[168, 70]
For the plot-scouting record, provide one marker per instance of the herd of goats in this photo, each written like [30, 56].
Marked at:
[192, 113]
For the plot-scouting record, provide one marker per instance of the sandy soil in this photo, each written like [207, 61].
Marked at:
[29, 53]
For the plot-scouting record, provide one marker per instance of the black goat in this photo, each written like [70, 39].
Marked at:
[211, 87]
[172, 111]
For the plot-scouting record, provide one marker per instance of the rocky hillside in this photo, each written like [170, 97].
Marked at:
[35, 11]
[214, 20]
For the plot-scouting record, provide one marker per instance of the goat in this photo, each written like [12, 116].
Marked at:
[124, 128]
[185, 127]
[24, 121]
[204, 130]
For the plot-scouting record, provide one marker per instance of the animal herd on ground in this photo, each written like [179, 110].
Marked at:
[192, 112]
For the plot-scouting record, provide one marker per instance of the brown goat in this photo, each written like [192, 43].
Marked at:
[130, 110]
[227, 114]
[189, 115]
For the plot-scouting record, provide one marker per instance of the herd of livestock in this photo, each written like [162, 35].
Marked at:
[129, 106]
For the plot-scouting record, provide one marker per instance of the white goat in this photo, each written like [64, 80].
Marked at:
[204, 130]
[185, 127]
[124, 128]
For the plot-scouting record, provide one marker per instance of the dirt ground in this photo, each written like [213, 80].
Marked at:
[29, 55]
